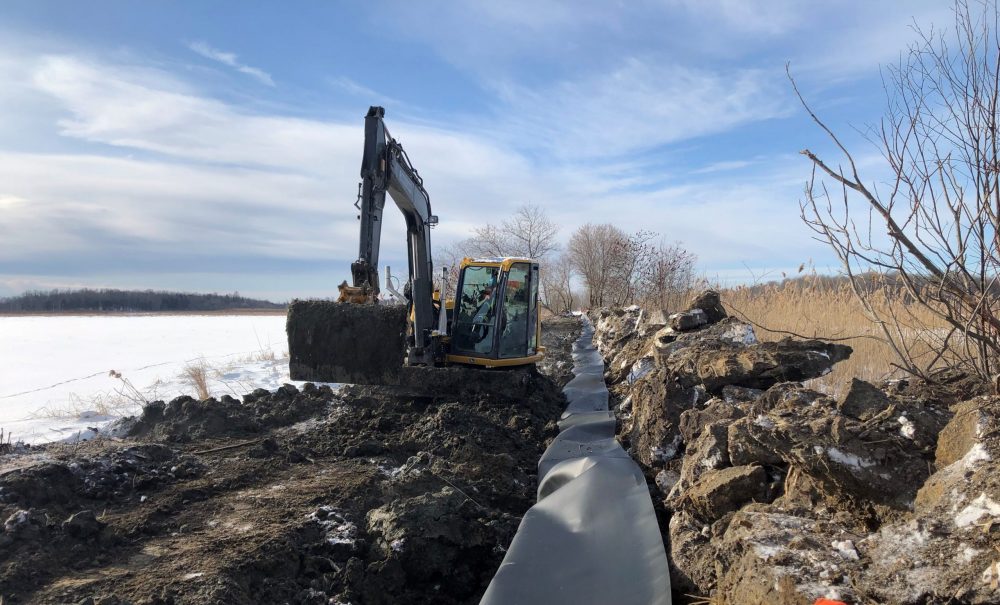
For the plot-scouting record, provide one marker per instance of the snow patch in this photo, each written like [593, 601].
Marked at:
[740, 333]
[764, 422]
[667, 452]
[966, 554]
[713, 461]
[907, 428]
[983, 505]
[337, 528]
[844, 458]
[977, 453]
[17, 519]
[846, 549]
[765, 551]
[392, 472]
[640, 368]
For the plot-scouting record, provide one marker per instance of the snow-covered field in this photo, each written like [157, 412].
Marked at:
[54, 370]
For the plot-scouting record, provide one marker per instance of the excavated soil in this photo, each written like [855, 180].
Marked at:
[363, 496]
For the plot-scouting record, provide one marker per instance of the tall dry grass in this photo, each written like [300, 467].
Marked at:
[196, 374]
[819, 307]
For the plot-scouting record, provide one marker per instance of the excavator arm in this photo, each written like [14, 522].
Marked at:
[385, 168]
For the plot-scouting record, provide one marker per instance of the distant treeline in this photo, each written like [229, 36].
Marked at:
[128, 301]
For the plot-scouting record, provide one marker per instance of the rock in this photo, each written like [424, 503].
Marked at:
[862, 400]
[688, 320]
[800, 428]
[772, 557]
[653, 322]
[652, 429]
[83, 525]
[740, 395]
[949, 546]
[707, 453]
[666, 480]
[710, 303]
[716, 363]
[745, 447]
[692, 554]
[971, 421]
[726, 490]
[437, 537]
[694, 420]
[21, 523]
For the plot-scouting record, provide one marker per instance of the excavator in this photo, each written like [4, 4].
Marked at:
[492, 322]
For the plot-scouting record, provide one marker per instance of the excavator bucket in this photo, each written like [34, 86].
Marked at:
[346, 342]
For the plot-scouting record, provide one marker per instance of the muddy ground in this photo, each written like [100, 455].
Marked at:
[362, 496]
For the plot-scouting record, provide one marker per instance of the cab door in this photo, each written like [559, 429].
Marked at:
[476, 311]
[518, 315]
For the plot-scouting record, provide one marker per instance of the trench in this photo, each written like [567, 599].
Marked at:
[592, 535]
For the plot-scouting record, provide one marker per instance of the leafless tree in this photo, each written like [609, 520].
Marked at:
[528, 233]
[557, 284]
[620, 269]
[934, 229]
[592, 252]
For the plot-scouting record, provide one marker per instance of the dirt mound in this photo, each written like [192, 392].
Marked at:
[365, 495]
[779, 494]
[187, 419]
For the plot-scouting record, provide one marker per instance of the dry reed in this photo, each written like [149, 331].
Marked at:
[825, 308]
[197, 376]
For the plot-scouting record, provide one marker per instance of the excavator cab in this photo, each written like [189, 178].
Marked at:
[496, 321]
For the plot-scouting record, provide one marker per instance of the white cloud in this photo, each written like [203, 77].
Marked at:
[640, 105]
[231, 60]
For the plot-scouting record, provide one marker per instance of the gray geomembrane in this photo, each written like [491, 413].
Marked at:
[592, 536]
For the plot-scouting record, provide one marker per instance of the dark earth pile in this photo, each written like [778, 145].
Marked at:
[772, 492]
[364, 496]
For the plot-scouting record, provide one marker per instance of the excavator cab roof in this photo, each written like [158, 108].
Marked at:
[503, 262]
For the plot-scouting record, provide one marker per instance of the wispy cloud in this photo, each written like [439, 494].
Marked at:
[639, 105]
[357, 89]
[231, 60]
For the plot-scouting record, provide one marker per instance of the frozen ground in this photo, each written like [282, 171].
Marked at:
[54, 370]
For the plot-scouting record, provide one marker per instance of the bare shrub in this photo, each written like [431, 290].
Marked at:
[935, 228]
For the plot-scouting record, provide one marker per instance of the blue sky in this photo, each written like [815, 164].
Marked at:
[215, 146]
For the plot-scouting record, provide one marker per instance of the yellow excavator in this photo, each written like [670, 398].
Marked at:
[493, 321]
